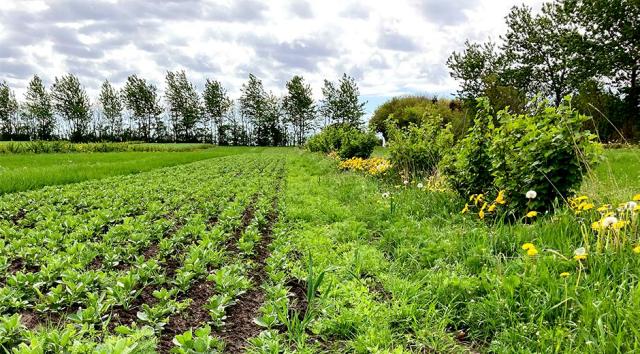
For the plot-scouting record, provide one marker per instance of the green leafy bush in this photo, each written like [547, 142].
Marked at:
[469, 168]
[544, 149]
[346, 140]
[417, 150]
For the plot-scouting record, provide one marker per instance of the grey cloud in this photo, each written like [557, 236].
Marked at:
[304, 53]
[301, 9]
[16, 69]
[449, 12]
[396, 41]
[356, 10]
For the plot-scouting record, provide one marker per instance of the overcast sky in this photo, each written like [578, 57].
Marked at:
[390, 47]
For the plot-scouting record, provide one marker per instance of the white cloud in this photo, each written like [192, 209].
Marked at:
[391, 47]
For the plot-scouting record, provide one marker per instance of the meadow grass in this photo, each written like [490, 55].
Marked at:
[20, 172]
[616, 178]
[410, 273]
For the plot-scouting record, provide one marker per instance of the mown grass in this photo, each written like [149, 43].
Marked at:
[20, 172]
[412, 274]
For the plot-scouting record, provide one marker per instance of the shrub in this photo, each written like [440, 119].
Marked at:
[469, 168]
[417, 150]
[544, 149]
[346, 140]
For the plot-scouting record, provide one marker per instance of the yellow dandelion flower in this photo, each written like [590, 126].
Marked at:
[531, 252]
[586, 206]
[565, 274]
[636, 197]
[500, 199]
[528, 245]
[596, 225]
[619, 224]
[604, 208]
[532, 214]
[636, 249]
[466, 208]
[580, 254]
[481, 214]
[491, 208]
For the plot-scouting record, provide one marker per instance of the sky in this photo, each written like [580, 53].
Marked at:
[390, 47]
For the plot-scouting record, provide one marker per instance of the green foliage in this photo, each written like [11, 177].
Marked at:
[200, 343]
[468, 166]
[38, 108]
[417, 150]
[141, 98]
[216, 105]
[346, 140]
[8, 110]
[112, 107]
[299, 107]
[341, 103]
[544, 150]
[406, 110]
[185, 108]
[71, 101]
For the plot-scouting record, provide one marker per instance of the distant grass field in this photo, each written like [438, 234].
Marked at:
[61, 146]
[20, 172]
[617, 178]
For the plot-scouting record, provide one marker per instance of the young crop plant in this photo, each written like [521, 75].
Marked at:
[198, 342]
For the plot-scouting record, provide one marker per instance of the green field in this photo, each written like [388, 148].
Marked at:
[20, 172]
[275, 250]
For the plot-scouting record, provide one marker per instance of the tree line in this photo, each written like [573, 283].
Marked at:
[589, 48]
[138, 111]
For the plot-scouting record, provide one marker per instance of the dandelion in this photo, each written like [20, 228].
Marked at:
[481, 214]
[580, 254]
[595, 225]
[528, 246]
[636, 249]
[532, 252]
[609, 221]
[500, 199]
[565, 274]
[586, 206]
[631, 206]
[492, 208]
[580, 199]
[532, 214]
[636, 197]
[466, 208]
[604, 208]
[406, 182]
[385, 195]
[420, 185]
[619, 225]
[531, 194]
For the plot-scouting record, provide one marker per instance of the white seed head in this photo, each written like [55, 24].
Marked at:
[531, 194]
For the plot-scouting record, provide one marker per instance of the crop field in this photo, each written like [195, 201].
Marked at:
[277, 250]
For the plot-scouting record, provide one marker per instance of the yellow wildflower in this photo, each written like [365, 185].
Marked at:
[604, 208]
[466, 208]
[531, 252]
[481, 214]
[636, 197]
[580, 254]
[581, 198]
[500, 199]
[532, 214]
[596, 225]
[492, 208]
[619, 224]
[564, 274]
[636, 249]
[586, 206]
[528, 246]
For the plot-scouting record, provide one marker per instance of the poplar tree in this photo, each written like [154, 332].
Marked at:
[216, 105]
[299, 107]
[38, 109]
[71, 101]
[112, 107]
[185, 109]
[141, 97]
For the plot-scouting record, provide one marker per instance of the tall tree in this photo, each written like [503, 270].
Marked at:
[472, 67]
[185, 108]
[38, 109]
[8, 111]
[71, 101]
[612, 28]
[253, 107]
[540, 51]
[112, 110]
[299, 107]
[216, 105]
[141, 97]
[341, 103]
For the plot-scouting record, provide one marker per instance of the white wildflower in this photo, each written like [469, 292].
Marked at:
[420, 185]
[631, 206]
[609, 221]
[531, 194]
[385, 195]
